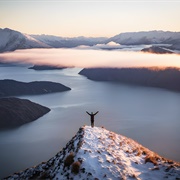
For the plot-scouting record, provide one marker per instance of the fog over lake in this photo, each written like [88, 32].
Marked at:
[150, 116]
[91, 58]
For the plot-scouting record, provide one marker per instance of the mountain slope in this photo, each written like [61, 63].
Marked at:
[11, 40]
[96, 153]
[59, 42]
[167, 78]
[15, 112]
[147, 37]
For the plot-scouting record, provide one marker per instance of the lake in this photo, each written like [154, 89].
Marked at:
[148, 115]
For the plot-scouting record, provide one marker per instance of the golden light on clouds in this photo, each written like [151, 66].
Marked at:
[91, 58]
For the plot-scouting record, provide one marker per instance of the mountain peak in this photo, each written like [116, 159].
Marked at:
[147, 37]
[12, 40]
[96, 153]
[8, 29]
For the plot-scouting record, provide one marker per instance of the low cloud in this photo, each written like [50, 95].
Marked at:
[115, 46]
[85, 58]
[110, 45]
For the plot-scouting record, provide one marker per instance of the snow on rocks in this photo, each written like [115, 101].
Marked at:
[96, 153]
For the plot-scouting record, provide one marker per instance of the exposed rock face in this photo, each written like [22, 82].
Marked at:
[96, 153]
[45, 67]
[157, 50]
[168, 78]
[15, 112]
[15, 88]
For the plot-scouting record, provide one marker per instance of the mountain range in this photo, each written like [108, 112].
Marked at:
[147, 37]
[96, 153]
[11, 40]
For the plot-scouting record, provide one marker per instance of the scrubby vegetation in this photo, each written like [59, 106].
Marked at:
[75, 167]
[69, 159]
[96, 153]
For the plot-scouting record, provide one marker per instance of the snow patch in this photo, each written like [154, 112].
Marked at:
[103, 154]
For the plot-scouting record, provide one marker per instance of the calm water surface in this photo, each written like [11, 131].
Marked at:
[150, 116]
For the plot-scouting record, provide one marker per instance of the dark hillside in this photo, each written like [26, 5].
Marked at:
[16, 88]
[168, 78]
[15, 112]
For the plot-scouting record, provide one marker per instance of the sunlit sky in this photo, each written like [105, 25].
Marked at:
[89, 17]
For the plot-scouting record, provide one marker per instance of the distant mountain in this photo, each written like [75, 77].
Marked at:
[15, 112]
[15, 88]
[60, 42]
[96, 154]
[168, 78]
[146, 37]
[11, 40]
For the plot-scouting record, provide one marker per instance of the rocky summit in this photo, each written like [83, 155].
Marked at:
[96, 153]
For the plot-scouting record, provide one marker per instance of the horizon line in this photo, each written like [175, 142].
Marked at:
[88, 35]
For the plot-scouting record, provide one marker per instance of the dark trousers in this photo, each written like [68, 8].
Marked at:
[92, 123]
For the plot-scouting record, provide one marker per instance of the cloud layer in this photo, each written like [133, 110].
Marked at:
[90, 58]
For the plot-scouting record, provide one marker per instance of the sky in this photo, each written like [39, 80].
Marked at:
[91, 18]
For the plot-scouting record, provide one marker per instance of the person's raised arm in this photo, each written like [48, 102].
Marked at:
[96, 112]
[87, 112]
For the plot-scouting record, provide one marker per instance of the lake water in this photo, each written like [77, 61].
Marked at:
[150, 116]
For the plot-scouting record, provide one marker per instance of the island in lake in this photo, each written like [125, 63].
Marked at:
[15, 112]
[46, 67]
[157, 50]
[15, 88]
[167, 78]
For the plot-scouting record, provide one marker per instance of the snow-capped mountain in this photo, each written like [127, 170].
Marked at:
[147, 37]
[96, 153]
[59, 42]
[11, 40]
